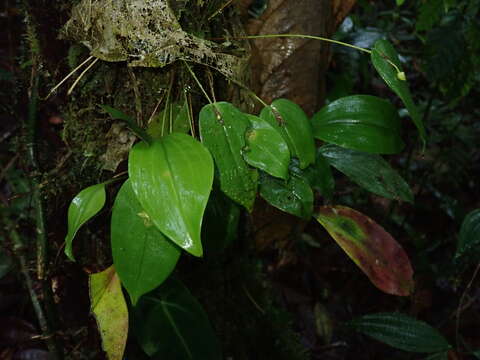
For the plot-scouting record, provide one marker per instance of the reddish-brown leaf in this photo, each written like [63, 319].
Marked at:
[373, 249]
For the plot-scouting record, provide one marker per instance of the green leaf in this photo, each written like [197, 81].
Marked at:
[372, 249]
[319, 175]
[172, 179]
[84, 206]
[382, 53]
[169, 323]
[293, 124]
[293, 196]
[174, 117]
[142, 256]
[220, 223]
[402, 332]
[468, 247]
[222, 129]
[369, 171]
[266, 148]
[110, 310]
[323, 181]
[117, 114]
[360, 122]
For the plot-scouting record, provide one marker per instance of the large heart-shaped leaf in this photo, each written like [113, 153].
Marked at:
[294, 196]
[369, 171]
[142, 255]
[84, 206]
[293, 124]
[468, 247]
[172, 179]
[110, 310]
[401, 332]
[169, 323]
[266, 149]
[382, 54]
[222, 129]
[374, 250]
[360, 122]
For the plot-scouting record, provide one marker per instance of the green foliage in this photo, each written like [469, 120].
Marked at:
[293, 196]
[360, 122]
[222, 129]
[318, 175]
[83, 207]
[170, 323]
[178, 170]
[401, 332]
[266, 149]
[369, 171]
[293, 124]
[169, 195]
[383, 58]
[142, 255]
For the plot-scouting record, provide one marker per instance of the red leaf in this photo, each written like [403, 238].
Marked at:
[373, 249]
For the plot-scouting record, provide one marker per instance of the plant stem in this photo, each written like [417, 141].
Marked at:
[303, 36]
[198, 82]
[400, 74]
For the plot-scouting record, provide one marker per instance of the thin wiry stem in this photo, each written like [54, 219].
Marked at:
[68, 76]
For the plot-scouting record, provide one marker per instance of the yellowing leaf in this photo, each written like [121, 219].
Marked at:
[374, 250]
[110, 310]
